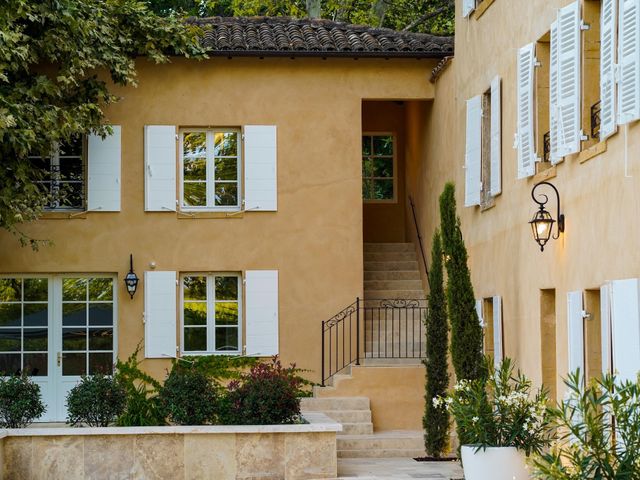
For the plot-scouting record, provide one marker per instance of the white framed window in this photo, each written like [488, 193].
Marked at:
[64, 175]
[211, 313]
[210, 165]
[379, 167]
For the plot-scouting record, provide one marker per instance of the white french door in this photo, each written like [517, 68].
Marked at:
[57, 328]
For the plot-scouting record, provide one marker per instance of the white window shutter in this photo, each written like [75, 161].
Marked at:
[261, 293]
[473, 152]
[605, 327]
[479, 312]
[468, 6]
[625, 328]
[498, 350]
[569, 79]
[553, 97]
[575, 331]
[160, 168]
[496, 138]
[104, 159]
[525, 140]
[608, 24]
[159, 314]
[629, 61]
[260, 168]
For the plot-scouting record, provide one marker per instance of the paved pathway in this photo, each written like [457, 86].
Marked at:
[396, 468]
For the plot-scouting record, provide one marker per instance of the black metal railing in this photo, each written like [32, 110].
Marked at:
[390, 328]
[546, 146]
[415, 222]
[595, 119]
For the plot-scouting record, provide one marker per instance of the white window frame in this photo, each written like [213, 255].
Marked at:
[210, 301]
[395, 167]
[210, 180]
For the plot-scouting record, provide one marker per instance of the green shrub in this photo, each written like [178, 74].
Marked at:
[436, 420]
[268, 394]
[96, 401]
[20, 402]
[189, 397]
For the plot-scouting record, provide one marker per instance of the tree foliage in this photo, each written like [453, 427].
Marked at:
[436, 419]
[466, 332]
[50, 53]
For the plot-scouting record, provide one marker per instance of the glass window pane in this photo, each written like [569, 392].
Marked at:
[226, 288]
[101, 289]
[101, 363]
[383, 189]
[195, 288]
[9, 364]
[100, 314]
[226, 169]
[226, 144]
[35, 339]
[74, 314]
[383, 145]
[227, 339]
[71, 168]
[194, 145]
[226, 313]
[226, 194]
[195, 339]
[36, 290]
[35, 364]
[10, 290]
[36, 314]
[70, 196]
[74, 364]
[195, 313]
[10, 340]
[100, 339]
[195, 168]
[74, 289]
[10, 314]
[74, 339]
[72, 147]
[195, 194]
[383, 167]
[366, 145]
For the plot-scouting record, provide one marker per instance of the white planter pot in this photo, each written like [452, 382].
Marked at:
[494, 463]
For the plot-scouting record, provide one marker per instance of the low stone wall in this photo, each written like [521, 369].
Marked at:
[203, 452]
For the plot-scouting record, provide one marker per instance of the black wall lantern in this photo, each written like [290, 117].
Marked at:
[131, 280]
[542, 221]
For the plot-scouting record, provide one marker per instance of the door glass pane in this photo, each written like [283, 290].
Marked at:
[383, 145]
[383, 189]
[195, 339]
[36, 290]
[74, 364]
[36, 314]
[74, 289]
[226, 339]
[10, 314]
[100, 339]
[101, 363]
[10, 290]
[10, 339]
[101, 289]
[74, 314]
[9, 364]
[35, 339]
[100, 314]
[74, 339]
[35, 364]
[383, 167]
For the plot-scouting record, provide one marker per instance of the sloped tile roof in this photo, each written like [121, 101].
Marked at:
[289, 37]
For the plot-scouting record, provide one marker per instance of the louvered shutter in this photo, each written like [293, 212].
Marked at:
[479, 312]
[605, 327]
[160, 168]
[629, 61]
[104, 161]
[473, 152]
[496, 138]
[525, 141]
[608, 23]
[569, 80]
[553, 97]
[261, 293]
[159, 314]
[498, 350]
[467, 7]
[625, 328]
[260, 168]
[575, 332]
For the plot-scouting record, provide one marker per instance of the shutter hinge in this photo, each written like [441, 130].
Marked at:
[536, 63]
[177, 283]
[244, 281]
[584, 26]
[177, 137]
[583, 137]
[537, 159]
[586, 315]
[242, 136]
[144, 317]
[515, 140]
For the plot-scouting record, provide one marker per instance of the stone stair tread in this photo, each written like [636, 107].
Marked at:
[382, 453]
[389, 247]
[391, 265]
[391, 275]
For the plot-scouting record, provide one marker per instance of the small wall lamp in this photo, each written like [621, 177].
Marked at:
[542, 221]
[131, 280]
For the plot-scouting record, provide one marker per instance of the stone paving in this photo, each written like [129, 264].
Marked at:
[396, 468]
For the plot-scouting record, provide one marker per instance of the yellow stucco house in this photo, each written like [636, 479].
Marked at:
[277, 198]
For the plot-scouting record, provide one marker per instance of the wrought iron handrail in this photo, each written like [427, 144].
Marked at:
[546, 146]
[331, 330]
[415, 222]
[595, 119]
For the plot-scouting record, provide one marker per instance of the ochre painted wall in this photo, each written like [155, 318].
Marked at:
[315, 237]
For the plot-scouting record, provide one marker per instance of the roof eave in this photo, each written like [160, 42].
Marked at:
[326, 54]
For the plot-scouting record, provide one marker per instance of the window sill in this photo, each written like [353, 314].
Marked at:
[480, 9]
[187, 215]
[592, 151]
[546, 174]
[206, 354]
[60, 215]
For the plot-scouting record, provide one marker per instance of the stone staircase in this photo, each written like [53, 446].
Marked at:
[357, 439]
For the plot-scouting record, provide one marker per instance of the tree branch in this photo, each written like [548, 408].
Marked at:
[424, 18]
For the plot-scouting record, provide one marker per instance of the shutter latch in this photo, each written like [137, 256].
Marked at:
[584, 26]
[586, 315]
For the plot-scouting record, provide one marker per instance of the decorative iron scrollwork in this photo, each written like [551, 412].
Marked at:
[400, 303]
[340, 316]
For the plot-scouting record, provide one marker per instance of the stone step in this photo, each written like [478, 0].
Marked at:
[392, 285]
[391, 440]
[395, 294]
[392, 362]
[349, 416]
[323, 404]
[395, 265]
[356, 428]
[392, 275]
[389, 256]
[378, 453]
[389, 247]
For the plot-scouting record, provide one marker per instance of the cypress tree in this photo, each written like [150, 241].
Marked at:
[466, 332]
[436, 419]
